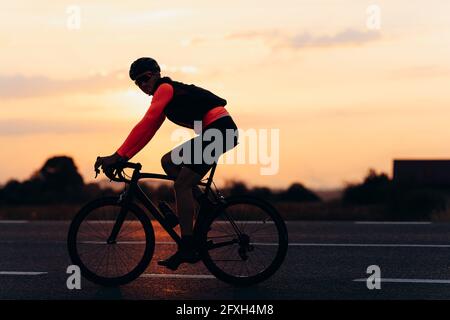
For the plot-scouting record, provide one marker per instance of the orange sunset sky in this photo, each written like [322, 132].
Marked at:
[345, 98]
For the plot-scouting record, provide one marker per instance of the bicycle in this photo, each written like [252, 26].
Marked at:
[242, 240]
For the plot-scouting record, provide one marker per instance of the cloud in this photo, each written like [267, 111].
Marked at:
[197, 40]
[19, 127]
[19, 86]
[24, 127]
[425, 71]
[147, 17]
[343, 38]
[182, 69]
[249, 35]
[277, 39]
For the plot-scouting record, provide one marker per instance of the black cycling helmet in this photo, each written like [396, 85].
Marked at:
[142, 65]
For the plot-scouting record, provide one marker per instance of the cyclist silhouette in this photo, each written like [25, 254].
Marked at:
[182, 104]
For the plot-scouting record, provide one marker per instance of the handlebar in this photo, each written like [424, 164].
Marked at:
[115, 172]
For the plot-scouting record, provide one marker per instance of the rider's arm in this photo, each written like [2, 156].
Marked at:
[143, 132]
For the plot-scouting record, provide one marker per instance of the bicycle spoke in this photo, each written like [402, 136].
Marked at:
[246, 267]
[94, 231]
[101, 260]
[259, 255]
[220, 227]
[132, 254]
[126, 253]
[103, 209]
[125, 226]
[90, 234]
[107, 260]
[263, 227]
[219, 237]
[229, 260]
[117, 260]
[131, 232]
[96, 251]
[123, 263]
[228, 250]
[241, 266]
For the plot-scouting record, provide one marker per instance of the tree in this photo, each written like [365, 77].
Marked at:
[59, 172]
[11, 192]
[262, 192]
[376, 188]
[297, 192]
[237, 188]
[57, 181]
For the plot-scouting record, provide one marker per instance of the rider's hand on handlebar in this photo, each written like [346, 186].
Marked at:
[107, 162]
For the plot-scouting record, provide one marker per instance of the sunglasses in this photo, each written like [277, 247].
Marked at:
[141, 79]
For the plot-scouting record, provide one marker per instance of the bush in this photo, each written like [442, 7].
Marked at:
[418, 203]
[375, 189]
[401, 202]
[158, 192]
[294, 193]
[236, 188]
[262, 192]
[297, 192]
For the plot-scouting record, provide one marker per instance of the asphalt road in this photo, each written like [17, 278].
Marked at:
[325, 260]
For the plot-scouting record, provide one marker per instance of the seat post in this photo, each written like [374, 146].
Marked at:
[211, 175]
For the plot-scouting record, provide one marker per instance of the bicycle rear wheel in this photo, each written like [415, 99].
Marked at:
[246, 241]
[105, 263]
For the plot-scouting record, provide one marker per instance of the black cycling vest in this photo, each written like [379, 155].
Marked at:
[189, 103]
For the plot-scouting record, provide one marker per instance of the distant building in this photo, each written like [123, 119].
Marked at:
[418, 173]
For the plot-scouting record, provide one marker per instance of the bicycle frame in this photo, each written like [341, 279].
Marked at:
[133, 190]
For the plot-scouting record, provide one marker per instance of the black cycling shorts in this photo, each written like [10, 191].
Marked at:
[195, 153]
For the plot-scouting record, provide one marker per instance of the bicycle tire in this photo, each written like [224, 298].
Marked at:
[282, 239]
[91, 275]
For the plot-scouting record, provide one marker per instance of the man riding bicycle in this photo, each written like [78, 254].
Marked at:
[182, 104]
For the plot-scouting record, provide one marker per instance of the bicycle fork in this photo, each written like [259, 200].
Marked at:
[124, 200]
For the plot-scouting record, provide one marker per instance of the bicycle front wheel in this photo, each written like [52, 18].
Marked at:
[106, 262]
[246, 241]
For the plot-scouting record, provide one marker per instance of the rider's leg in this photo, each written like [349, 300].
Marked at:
[186, 180]
[173, 170]
[170, 168]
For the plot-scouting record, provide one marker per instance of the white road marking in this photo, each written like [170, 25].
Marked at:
[21, 273]
[155, 223]
[381, 245]
[246, 222]
[299, 244]
[389, 245]
[393, 222]
[346, 245]
[13, 221]
[432, 281]
[119, 242]
[177, 276]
